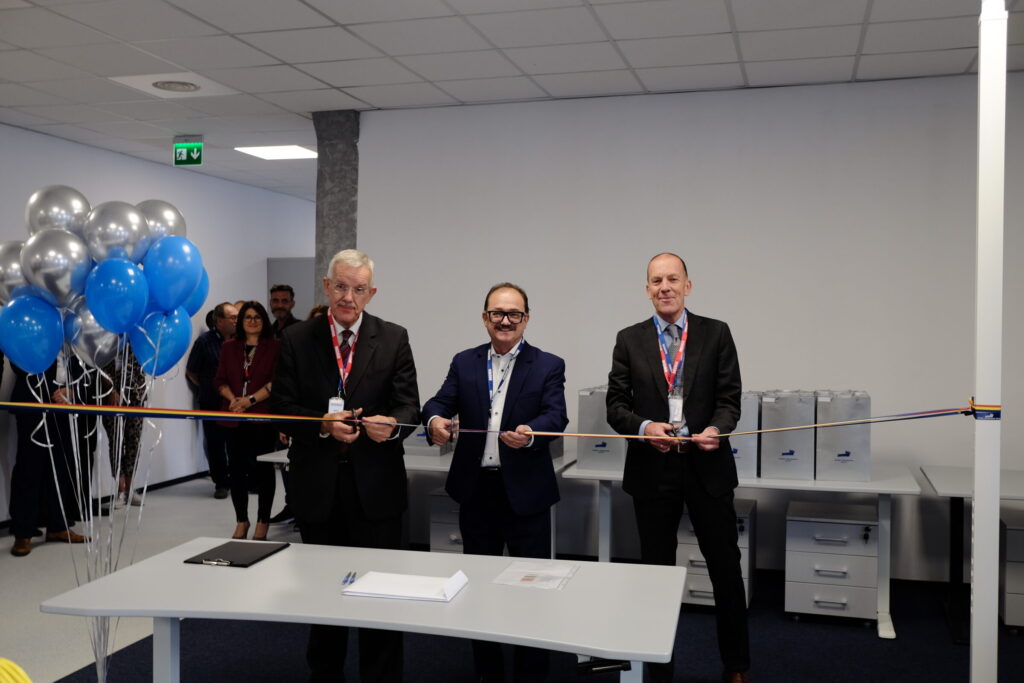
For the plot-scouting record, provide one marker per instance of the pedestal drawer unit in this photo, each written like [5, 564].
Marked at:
[445, 536]
[1011, 593]
[697, 589]
[832, 560]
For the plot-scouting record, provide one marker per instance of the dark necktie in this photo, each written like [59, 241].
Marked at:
[346, 348]
[673, 347]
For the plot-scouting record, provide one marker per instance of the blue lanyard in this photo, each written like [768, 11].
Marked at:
[672, 375]
[490, 372]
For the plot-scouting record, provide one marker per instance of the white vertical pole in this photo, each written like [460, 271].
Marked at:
[988, 339]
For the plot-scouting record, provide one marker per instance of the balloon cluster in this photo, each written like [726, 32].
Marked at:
[93, 276]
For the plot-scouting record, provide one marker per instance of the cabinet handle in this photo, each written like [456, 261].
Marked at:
[830, 604]
[454, 538]
[836, 573]
[829, 540]
[708, 595]
[699, 564]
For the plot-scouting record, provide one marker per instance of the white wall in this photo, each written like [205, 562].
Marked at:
[236, 228]
[831, 226]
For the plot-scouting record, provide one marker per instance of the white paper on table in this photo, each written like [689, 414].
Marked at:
[543, 575]
[408, 586]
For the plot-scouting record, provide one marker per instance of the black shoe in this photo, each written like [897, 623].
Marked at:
[221, 493]
[253, 491]
[285, 515]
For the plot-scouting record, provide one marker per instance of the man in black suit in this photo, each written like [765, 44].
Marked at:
[504, 483]
[348, 481]
[677, 374]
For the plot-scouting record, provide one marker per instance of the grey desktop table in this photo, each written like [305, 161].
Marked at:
[957, 483]
[887, 480]
[301, 584]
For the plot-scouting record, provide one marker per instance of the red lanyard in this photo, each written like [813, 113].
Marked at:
[246, 364]
[672, 373]
[343, 368]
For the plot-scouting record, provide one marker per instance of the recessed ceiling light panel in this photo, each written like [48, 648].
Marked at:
[167, 86]
[278, 152]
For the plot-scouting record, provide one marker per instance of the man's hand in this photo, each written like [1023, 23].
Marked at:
[708, 439]
[517, 439]
[341, 431]
[380, 427]
[440, 430]
[655, 433]
[61, 396]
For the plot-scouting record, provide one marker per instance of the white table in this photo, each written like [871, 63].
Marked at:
[957, 483]
[614, 611]
[887, 480]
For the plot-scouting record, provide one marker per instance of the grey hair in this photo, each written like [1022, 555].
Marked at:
[352, 258]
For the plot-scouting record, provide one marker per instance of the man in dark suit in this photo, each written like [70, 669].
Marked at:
[677, 374]
[504, 483]
[348, 481]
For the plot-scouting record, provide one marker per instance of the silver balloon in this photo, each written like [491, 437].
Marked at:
[94, 345]
[56, 206]
[117, 230]
[11, 278]
[163, 218]
[58, 262]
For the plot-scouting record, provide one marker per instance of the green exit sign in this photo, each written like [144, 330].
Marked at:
[188, 150]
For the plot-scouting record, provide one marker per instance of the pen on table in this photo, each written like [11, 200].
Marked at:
[344, 581]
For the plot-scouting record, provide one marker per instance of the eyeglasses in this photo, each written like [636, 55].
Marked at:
[252, 318]
[345, 289]
[514, 317]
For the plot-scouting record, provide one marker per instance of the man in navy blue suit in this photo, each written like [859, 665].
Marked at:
[503, 480]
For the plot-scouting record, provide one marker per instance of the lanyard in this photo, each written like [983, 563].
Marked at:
[672, 372]
[490, 372]
[343, 368]
[246, 364]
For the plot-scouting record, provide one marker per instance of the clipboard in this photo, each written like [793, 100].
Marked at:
[237, 553]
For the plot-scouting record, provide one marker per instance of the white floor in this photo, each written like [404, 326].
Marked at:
[50, 646]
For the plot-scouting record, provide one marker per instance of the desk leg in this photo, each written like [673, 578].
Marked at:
[885, 627]
[604, 521]
[554, 530]
[958, 611]
[166, 650]
[634, 675]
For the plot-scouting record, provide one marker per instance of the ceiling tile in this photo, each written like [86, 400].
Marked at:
[461, 65]
[209, 52]
[914, 64]
[149, 110]
[364, 11]
[830, 41]
[128, 146]
[14, 95]
[71, 113]
[917, 36]
[898, 10]
[23, 66]
[664, 18]
[796, 71]
[540, 27]
[685, 51]
[7, 46]
[128, 130]
[115, 59]
[408, 95]
[681, 78]
[761, 15]
[243, 138]
[493, 89]
[37, 27]
[134, 20]
[67, 131]
[566, 58]
[258, 79]
[314, 100]
[90, 90]
[482, 6]
[13, 117]
[353, 72]
[311, 45]
[230, 105]
[422, 36]
[592, 84]
[243, 16]
[9, 4]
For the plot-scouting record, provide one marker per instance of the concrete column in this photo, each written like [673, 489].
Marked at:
[337, 186]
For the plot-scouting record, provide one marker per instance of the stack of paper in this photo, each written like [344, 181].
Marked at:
[408, 586]
[543, 575]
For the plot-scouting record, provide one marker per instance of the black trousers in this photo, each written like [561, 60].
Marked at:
[380, 652]
[34, 486]
[245, 442]
[714, 523]
[489, 525]
[216, 447]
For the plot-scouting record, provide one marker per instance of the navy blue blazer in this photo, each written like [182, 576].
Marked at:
[536, 397]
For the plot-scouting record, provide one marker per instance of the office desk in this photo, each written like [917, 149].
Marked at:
[887, 480]
[957, 483]
[301, 584]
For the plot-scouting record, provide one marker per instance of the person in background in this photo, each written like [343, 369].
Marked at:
[282, 301]
[200, 370]
[317, 311]
[124, 434]
[244, 380]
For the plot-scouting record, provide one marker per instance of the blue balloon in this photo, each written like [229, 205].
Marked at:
[31, 333]
[196, 300]
[174, 268]
[161, 340]
[117, 293]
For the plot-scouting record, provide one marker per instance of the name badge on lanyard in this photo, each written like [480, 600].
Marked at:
[673, 374]
[344, 368]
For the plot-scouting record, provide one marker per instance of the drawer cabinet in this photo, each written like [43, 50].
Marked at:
[832, 560]
[697, 589]
[1011, 578]
[445, 536]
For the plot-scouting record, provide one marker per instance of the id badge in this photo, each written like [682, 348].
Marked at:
[675, 411]
[336, 404]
